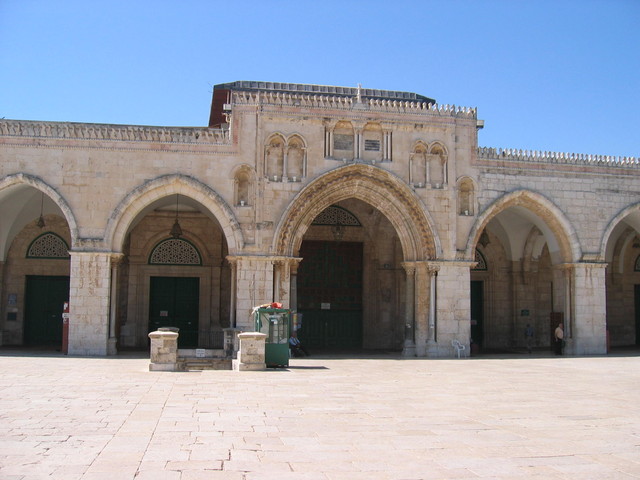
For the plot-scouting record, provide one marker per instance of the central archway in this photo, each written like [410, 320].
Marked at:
[377, 187]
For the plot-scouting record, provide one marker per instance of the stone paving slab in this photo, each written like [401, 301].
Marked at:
[323, 418]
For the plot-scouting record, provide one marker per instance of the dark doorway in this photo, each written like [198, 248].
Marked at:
[330, 294]
[174, 302]
[44, 301]
[477, 312]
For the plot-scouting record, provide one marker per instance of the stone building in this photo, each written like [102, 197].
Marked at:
[372, 213]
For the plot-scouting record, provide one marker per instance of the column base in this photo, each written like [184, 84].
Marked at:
[409, 349]
[112, 349]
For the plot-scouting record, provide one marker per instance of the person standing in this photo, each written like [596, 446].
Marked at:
[559, 336]
[528, 336]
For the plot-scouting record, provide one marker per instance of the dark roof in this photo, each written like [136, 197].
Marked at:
[244, 85]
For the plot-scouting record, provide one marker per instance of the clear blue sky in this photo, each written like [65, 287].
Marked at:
[554, 75]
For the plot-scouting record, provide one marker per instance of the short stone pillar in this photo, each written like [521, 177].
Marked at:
[231, 343]
[251, 352]
[164, 350]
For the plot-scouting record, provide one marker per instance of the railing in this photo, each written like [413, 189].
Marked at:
[213, 340]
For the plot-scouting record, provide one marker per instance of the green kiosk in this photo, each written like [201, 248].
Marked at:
[275, 323]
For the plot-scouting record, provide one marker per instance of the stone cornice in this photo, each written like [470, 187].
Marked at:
[509, 156]
[114, 133]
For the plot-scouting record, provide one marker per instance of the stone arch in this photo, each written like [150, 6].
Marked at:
[411, 220]
[631, 213]
[418, 164]
[437, 169]
[555, 222]
[144, 195]
[19, 179]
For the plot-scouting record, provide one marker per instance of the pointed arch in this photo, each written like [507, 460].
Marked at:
[19, 180]
[375, 186]
[628, 216]
[144, 195]
[554, 222]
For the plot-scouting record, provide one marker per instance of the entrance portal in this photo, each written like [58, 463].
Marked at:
[44, 301]
[330, 294]
[477, 312]
[174, 302]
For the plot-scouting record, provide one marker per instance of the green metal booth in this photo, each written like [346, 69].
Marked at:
[275, 323]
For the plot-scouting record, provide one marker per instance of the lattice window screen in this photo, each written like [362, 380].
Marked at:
[48, 245]
[175, 251]
[482, 263]
[336, 216]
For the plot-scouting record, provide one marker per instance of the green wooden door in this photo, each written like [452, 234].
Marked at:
[330, 294]
[174, 302]
[44, 300]
[477, 312]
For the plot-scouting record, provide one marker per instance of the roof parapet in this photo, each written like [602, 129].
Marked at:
[537, 156]
[350, 103]
[97, 131]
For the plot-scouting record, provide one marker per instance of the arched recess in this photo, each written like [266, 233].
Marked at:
[17, 189]
[139, 201]
[244, 182]
[274, 151]
[466, 196]
[296, 161]
[375, 186]
[541, 212]
[628, 217]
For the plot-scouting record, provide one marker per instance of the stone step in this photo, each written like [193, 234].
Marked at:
[208, 363]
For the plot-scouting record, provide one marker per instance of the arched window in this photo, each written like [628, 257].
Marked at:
[274, 158]
[466, 197]
[175, 251]
[48, 245]
[481, 264]
[295, 158]
[418, 166]
[437, 168]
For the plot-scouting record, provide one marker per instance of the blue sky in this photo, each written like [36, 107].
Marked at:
[555, 75]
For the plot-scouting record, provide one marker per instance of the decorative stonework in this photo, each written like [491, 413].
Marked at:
[175, 251]
[48, 245]
[481, 262]
[129, 133]
[556, 157]
[335, 215]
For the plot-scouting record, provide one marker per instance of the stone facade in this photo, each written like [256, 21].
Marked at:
[458, 242]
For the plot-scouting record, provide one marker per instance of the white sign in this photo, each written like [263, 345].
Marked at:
[199, 352]
[325, 306]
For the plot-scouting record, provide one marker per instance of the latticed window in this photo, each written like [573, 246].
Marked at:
[334, 215]
[481, 261]
[175, 251]
[48, 245]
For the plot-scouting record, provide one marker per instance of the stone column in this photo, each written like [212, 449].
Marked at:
[453, 308]
[89, 305]
[588, 333]
[409, 349]
[422, 297]
[432, 347]
[233, 292]
[253, 286]
[113, 312]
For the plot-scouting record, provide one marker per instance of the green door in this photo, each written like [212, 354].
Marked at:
[330, 294]
[174, 302]
[477, 312]
[44, 300]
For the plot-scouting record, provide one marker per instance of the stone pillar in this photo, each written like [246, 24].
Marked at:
[432, 346]
[233, 292]
[251, 352]
[163, 353]
[282, 283]
[453, 308]
[253, 286]
[587, 333]
[113, 311]
[89, 305]
[409, 349]
[422, 306]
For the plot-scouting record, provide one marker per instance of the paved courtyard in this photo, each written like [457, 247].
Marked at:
[323, 418]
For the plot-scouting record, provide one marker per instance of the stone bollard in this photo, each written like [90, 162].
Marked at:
[164, 350]
[251, 352]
